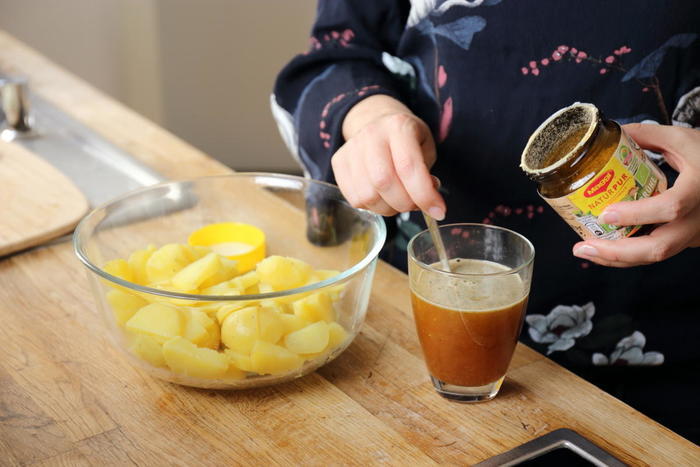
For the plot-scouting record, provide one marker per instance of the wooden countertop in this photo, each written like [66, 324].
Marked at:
[68, 397]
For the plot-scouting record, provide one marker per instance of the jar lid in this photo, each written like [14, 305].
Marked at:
[552, 132]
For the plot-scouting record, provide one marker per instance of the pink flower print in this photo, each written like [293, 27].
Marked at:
[322, 125]
[326, 144]
[442, 76]
[445, 120]
[335, 34]
[486, 220]
[581, 56]
[536, 71]
[533, 64]
[562, 49]
[556, 56]
[625, 50]
[603, 71]
[645, 89]
[524, 70]
[609, 59]
[544, 62]
[348, 34]
[574, 51]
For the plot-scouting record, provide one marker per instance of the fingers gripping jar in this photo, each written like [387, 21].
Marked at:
[584, 163]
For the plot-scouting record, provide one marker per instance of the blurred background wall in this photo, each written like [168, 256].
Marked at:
[203, 69]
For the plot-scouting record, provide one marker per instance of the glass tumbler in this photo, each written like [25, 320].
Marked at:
[468, 319]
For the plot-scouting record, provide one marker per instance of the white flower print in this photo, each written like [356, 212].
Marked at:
[629, 351]
[422, 8]
[562, 326]
[398, 66]
[687, 112]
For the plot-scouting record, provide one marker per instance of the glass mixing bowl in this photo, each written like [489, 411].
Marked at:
[301, 218]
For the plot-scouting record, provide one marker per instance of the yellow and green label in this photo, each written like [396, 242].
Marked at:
[629, 175]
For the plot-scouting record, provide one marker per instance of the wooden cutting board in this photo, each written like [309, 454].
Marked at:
[37, 202]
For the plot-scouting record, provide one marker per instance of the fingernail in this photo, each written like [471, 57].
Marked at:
[436, 182]
[585, 251]
[609, 217]
[436, 213]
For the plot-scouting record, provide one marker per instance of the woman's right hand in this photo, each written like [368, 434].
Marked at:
[384, 164]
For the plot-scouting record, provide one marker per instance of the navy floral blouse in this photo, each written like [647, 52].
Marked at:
[483, 74]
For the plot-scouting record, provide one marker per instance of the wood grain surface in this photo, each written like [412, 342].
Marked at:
[37, 202]
[68, 397]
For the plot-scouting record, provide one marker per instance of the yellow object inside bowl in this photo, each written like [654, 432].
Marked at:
[242, 242]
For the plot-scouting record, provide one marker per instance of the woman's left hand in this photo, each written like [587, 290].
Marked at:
[677, 209]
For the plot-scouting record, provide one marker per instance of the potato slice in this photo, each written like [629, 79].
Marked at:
[245, 281]
[119, 268]
[191, 276]
[213, 331]
[270, 327]
[185, 358]
[239, 360]
[239, 331]
[157, 320]
[227, 271]
[292, 323]
[337, 335]
[165, 262]
[315, 307]
[124, 305]
[267, 358]
[137, 262]
[282, 272]
[308, 340]
[225, 310]
[147, 349]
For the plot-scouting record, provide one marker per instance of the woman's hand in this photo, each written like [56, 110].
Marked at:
[677, 209]
[384, 164]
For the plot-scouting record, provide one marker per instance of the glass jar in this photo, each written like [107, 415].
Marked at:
[583, 163]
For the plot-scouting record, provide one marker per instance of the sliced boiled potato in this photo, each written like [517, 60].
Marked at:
[191, 276]
[270, 327]
[337, 335]
[119, 268]
[222, 288]
[233, 372]
[292, 322]
[316, 307]
[137, 262]
[185, 358]
[308, 340]
[267, 358]
[124, 305]
[282, 272]
[239, 360]
[245, 281]
[166, 261]
[197, 251]
[213, 338]
[319, 275]
[239, 331]
[224, 310]
[148, 349]
[228, 269]
[195, 332]
[157, 320]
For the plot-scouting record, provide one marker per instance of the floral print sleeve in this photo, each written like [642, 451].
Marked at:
[349, 58]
